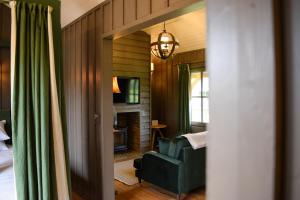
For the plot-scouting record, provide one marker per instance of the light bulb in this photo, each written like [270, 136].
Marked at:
[165, 39]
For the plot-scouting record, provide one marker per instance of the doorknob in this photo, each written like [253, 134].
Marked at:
[96, 116]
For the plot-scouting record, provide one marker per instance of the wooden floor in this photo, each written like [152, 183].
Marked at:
[146, 191]
[119, 157]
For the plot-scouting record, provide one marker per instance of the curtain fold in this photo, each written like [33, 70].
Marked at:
[34, 133]
[58, 140]
[184, 99]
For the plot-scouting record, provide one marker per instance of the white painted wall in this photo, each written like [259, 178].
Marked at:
[241, 64]
[292, 65]
[72, 9]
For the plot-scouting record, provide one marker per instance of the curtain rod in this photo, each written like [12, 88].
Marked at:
[6, 2]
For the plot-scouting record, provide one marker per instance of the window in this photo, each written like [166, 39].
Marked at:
[133, 91]
[199, 97]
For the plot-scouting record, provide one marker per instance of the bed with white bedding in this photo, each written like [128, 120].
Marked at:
[7, 181]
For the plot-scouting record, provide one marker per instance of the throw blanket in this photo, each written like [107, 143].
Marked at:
[197, 140]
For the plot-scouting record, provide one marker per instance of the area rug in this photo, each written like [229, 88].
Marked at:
[125, 172]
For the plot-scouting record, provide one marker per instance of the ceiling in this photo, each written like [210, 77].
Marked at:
[188, 29]
[72, 9]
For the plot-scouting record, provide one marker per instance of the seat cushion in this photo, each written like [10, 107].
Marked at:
[172, 148]
[137, 163]
[163, 145]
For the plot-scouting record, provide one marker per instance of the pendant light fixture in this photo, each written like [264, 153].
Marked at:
[165, 45]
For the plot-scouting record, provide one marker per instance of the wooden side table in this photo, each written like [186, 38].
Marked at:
[156, 129]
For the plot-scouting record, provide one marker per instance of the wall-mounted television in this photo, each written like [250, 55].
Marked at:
[130, 90]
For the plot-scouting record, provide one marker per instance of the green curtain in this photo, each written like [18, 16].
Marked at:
[32, 139]
[184, 99]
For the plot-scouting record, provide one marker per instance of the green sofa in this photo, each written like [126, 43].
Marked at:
[177, 167]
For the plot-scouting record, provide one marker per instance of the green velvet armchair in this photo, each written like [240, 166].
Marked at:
[177, 167]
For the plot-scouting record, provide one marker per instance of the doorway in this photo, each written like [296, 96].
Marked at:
[156, 98]
[235, 59]
[108, 41]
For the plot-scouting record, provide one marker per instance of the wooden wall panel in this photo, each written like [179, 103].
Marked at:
[98, 85]
[131, 58]
[80, 58]
[118, 13]
[173, 2]
[107, 17]
[84, 102]
[4, 57]
[164, 88]
[77, 92]
[121, 15]
[157, 5]
[91, 99]
[143, 8]
[130, 11]
[72, 101]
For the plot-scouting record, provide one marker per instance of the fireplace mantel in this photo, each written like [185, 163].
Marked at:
[127, 108]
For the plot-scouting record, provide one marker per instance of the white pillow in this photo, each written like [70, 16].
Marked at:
[3, 146]
[3, 134]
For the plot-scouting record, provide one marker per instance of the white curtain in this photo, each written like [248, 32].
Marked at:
[59, 151]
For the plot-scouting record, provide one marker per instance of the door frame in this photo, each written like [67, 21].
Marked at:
[213, 187]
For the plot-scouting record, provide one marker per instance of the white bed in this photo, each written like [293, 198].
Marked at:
[7, 182]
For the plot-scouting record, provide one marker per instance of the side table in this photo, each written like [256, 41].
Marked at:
[156, 129]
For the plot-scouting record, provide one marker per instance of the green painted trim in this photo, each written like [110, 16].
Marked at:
[198, 69]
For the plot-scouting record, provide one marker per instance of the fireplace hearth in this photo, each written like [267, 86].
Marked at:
[127, 133]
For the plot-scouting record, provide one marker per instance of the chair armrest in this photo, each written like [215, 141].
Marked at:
[161, 157]
[162, 170]
[194, 167]
[188, 154]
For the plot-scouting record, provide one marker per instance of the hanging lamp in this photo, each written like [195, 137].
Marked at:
[165, 45]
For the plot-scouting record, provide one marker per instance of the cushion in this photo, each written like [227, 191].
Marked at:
[172, 149]
[163, 145]
[176, 145]
[3, 134]
[180, 143]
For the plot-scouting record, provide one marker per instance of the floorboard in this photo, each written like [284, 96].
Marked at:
[146, 191]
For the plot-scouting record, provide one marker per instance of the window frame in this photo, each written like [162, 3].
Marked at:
[138, 95]
[197, 69]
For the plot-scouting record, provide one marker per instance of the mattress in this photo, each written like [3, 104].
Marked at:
[7, 181]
